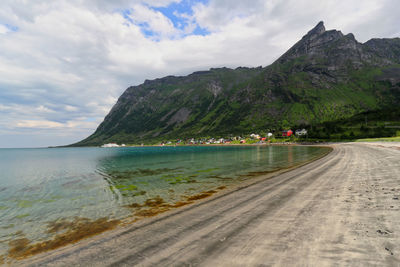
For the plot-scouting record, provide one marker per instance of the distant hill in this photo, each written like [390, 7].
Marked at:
[324, 77]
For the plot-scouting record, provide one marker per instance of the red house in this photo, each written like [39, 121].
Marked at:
[287, 133]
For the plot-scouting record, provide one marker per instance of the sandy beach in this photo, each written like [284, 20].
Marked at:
[342, 209]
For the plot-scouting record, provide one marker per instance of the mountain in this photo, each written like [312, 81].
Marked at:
[326, 76]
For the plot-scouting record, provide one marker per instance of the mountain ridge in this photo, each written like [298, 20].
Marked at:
[325, 76]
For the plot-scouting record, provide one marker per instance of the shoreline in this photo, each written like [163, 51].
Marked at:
[131, 223]
[343, 208]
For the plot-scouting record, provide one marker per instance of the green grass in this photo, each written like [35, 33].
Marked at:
[384, 139]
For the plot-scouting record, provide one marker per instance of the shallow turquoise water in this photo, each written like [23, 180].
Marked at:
[40, 186]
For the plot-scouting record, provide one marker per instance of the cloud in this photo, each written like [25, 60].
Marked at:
[38, 124]
[70, 108]
[63, 64]
[152, 22]
[3, 29]
[46, 124]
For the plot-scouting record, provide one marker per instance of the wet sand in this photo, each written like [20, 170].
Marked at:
[343, 209]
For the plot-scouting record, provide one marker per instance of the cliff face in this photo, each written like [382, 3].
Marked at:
[323, 77]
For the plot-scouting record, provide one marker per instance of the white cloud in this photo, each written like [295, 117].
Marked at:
[155, 21]
[70, 108]
[3, 29]
[46, 124]
[43, 109]
[66, 62]
[42, 124]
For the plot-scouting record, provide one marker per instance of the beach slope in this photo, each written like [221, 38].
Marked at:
[342, 209]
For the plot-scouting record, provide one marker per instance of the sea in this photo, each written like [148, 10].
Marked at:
[53, 196]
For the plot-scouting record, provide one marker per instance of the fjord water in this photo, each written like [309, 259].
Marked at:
[39, 187]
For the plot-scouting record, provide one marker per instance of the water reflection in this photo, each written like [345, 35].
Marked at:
[290, 155]
[270, 156]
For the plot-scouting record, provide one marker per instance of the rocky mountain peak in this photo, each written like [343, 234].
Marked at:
[317, 30]
[313, 43]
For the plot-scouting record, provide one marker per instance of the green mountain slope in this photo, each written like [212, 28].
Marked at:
[326, 76]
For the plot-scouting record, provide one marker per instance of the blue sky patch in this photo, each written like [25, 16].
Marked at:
[177, 13]
[126, 14]
[200, 31]
[174, 10]
[11, 27]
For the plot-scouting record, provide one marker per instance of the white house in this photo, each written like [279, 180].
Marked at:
[255, 136]
[301, 132]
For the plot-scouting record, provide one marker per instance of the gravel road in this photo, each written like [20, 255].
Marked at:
[343, 209]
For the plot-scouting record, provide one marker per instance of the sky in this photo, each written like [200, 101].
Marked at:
[64, 63]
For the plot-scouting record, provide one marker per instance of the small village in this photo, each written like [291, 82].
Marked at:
[253, 138]
[250, 139]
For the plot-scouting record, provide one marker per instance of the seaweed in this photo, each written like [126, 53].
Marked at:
[158, 205]
[140, 193]
[208, 170]
[134, 205]
[201, 195]
[72, 231]
[254, 174]
[179, 179]
[180, 204]
[155, 206]
[127, 190]
[154, 202]
[8, 226]
[118, 175]
[149, 212]
[25, 203]
[22, 216]
[219, 177]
